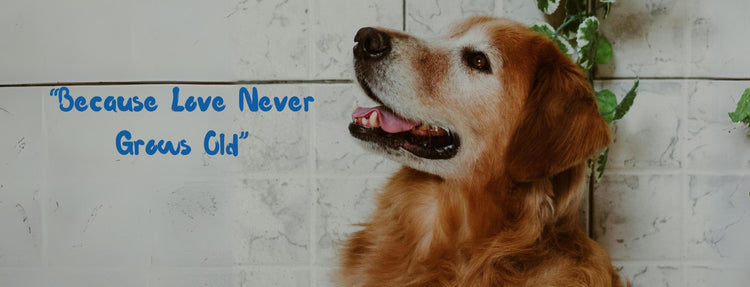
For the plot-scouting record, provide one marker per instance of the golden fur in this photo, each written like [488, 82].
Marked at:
[510, 215]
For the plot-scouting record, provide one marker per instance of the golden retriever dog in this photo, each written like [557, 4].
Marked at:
[493, 126]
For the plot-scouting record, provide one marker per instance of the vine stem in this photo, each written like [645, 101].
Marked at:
[592, 181]
[567, 22]
[592, 176]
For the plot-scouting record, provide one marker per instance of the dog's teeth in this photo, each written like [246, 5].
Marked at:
[374, 119]
[424, 127]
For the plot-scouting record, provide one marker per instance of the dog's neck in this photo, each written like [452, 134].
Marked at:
[447, 213]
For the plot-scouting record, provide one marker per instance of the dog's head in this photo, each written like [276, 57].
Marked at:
[491, 96]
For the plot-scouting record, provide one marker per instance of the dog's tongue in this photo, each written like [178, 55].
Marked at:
[389, 122]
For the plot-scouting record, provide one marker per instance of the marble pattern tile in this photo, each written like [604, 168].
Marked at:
[21, 221]
[279, 141]
[324, 277]
[342, 203]
[20, 168]
[270, 39]
[97, 223]
[270, 277]
[717, 217]
[716, 49]
[649, 134]
[649, 275]
[22, 277]
[638, 217]
[260, 222]
[734, 275]
[648, 38]
[432, 17]
[334, 30]
[713, 141]
[171, 40]
[92, 276]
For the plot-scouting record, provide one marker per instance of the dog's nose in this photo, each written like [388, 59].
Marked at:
[371, 43]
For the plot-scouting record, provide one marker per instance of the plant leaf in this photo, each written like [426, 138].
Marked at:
[603, 51]
[626, 102]
[607, 104]
[548, 6]
[586, 36]
[547, 30]
[607, 1]
[573, 8]
[742, 113]
[601, 164]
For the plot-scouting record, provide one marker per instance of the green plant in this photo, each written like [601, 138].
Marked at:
[742, 113]
[581, 26]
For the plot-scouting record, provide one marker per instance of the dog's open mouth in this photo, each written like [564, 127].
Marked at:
[381, 126]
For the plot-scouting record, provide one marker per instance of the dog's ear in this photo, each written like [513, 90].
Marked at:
[560, 124]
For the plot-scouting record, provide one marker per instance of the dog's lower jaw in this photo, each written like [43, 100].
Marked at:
[428, 231]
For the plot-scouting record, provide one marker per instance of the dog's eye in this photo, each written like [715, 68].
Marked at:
[477, 61]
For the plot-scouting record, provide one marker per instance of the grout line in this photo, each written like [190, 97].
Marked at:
[675, 171]
[710, 262]
[311, 158]
[674, 78]
[685, 182]
[312, 188]
[317, 81]
[259, 267]
[205, 83]
[43, 192]
[403, 15]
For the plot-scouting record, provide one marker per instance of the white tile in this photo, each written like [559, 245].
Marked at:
[649, 134]
[78, 277]
[21, 125]
[279, 141]
[146, 40]
[230, 277]
[342, 203]
[169, 40]
[638, 217]
[27, 277]
[21, 223]
[227, 223]
[40, 47]
[432, 17]
[648, 38]
[649, 275]
[270, 40]
[325, 277]
[334, 26]
[102, 223]
[717, 275]
[718, 217]
[337, 152]
[713, 141]
[717, 48]
[21, 151]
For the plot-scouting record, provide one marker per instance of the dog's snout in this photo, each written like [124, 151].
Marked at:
[371, 43]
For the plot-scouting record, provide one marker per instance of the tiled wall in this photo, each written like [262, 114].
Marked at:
[674, 209]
